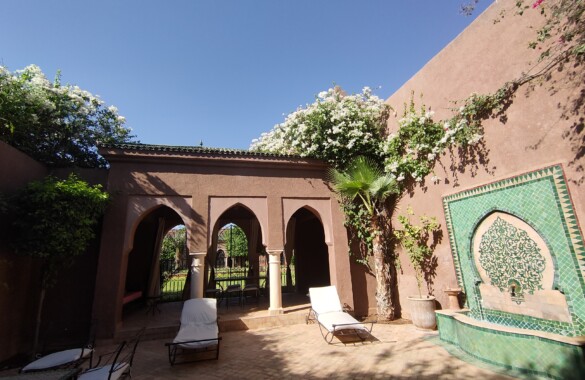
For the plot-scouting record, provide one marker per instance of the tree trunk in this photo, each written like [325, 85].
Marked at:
[384, 273]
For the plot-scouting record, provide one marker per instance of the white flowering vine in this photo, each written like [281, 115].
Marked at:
[59, 125]
[335, 128]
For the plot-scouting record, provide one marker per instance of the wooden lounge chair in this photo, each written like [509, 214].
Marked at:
[326, 309]
[199, 332]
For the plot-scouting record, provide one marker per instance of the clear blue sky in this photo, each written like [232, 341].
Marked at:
[224, 71]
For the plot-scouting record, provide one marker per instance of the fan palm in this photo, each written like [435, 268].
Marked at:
[364, 182]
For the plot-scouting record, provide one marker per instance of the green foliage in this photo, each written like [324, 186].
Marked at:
[411, 153]
[365, 190]
[336, 128]
[235, 240]
[173, 242]
[416, 242]
[366, 182]
[54, 220]
[357, 219]
[56, 124]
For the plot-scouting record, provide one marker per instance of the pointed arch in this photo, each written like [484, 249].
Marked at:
[218, 206]
[139, 207]
[320, 207]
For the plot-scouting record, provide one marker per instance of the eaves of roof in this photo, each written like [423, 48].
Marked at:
[133, 151]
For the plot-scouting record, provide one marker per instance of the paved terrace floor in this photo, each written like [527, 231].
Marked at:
[265, 349]
[260, 347]
[298, 351]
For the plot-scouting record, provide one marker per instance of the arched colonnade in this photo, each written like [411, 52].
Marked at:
[200, 189]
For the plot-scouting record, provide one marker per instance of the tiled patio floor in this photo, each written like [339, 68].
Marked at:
[299, 351]
[294, 351]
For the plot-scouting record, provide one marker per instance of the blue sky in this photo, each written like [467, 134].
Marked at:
[224, 71]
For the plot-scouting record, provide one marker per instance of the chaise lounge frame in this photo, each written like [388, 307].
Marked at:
[333, 321]
[198, 320]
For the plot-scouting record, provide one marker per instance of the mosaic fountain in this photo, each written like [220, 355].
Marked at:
[520, 260]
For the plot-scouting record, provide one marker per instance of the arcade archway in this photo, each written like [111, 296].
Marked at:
[143, 279]
[307, 251]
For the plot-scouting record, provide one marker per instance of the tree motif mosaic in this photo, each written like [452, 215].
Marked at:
[511, 259]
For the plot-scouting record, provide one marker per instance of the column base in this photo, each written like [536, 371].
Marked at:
[277, 311]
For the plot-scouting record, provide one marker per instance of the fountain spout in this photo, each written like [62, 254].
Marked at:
[513, 290]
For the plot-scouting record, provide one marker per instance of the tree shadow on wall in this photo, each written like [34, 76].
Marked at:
[568, 75]
[430, 264]
[469, 158]
[150, 185]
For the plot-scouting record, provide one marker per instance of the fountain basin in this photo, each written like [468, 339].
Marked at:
[528, 351]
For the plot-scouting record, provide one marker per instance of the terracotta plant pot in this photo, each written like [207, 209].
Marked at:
[422, 312]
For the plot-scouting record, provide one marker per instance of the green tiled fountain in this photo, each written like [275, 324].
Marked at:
[520, 259]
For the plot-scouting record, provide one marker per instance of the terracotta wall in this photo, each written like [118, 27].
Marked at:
[200, 187]
[544, 124]
[67, 311]
[17, 274]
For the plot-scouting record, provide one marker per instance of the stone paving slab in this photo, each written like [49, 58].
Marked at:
[299, 351]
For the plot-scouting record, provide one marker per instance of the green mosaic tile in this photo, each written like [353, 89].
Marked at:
[527, 354]
[542, 200]
[528, 322]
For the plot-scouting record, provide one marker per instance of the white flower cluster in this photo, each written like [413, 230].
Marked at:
[330, 127]
[413, 153]
[40, 90]
[73, 116]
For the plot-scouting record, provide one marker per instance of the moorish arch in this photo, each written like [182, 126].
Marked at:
[138, 207]
[321, 207]
[218, 206]
[306, 247]
[140, 280]
[244, 218]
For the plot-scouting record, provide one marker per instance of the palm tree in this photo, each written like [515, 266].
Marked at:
[365, 184]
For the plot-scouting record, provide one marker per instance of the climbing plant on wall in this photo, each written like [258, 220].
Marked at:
[338, 128]
[349, 132]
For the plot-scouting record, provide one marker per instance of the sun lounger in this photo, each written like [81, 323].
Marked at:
[326, 309]
[115, 365]
[199, 332]
[61, 359]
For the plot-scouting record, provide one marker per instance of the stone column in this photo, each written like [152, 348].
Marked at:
[275, 282]
[197, 273]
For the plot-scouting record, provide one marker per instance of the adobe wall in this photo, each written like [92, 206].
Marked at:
[67, 309]
[17, 274]
[544, 126]
[199, 187]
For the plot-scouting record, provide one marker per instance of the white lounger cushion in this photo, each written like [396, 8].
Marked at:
[192, 332]
[325, 299]
[199, 310]
[327, 320]
[325, 302]
[57, 359]
[102, 373]
[198, 322]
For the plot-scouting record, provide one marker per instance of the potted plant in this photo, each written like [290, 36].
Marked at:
[415, 239]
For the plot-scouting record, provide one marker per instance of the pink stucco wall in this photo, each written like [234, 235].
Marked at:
[200, 187]
[17, 274]
[542, 126]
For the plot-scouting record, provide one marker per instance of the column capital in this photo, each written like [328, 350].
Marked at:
[198, 259]
[274, 252]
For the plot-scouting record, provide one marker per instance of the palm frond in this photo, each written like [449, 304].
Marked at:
[364, 170]
[383, 186]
